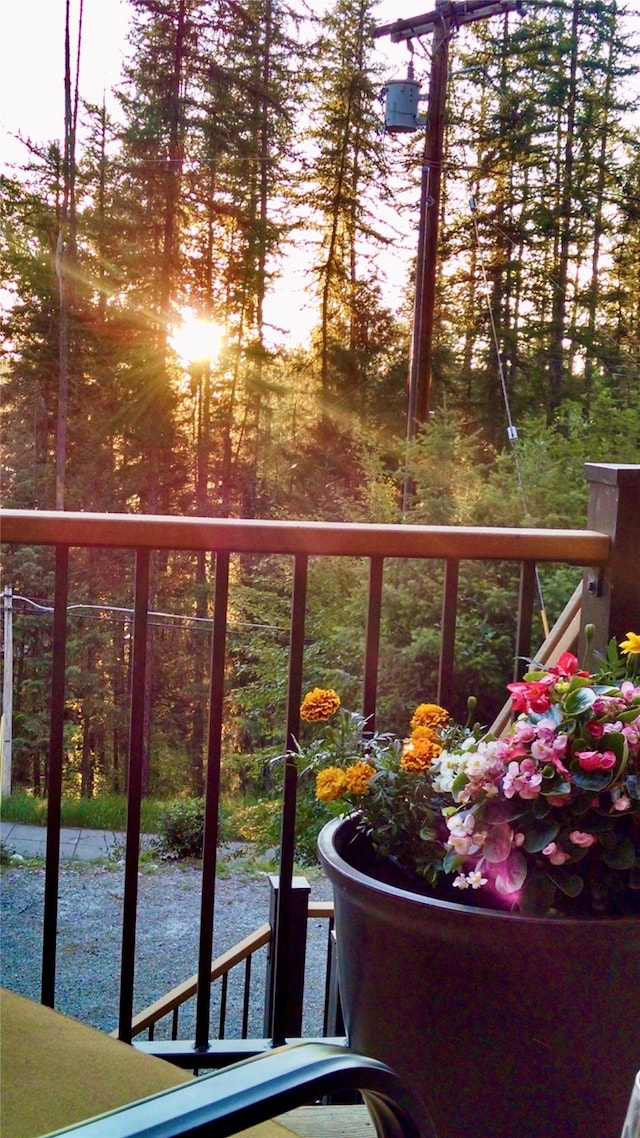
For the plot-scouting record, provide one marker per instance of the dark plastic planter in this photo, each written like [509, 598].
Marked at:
[506, 1026]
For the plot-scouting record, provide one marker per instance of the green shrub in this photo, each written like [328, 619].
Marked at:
[258, 823]
[181, 831]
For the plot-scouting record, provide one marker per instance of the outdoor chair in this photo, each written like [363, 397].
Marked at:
[58, 1074]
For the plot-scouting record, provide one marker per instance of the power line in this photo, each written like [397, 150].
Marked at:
[177, 620]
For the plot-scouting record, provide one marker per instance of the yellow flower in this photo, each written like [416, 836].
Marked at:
[330, 784]
[358, 777]
[319, 705]
[631, 645]
[420, 750]
[429, 715]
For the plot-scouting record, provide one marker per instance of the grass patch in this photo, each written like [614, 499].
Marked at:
[240, 818]
[104, 813]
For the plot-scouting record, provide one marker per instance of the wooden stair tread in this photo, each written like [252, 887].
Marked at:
[329, 1122]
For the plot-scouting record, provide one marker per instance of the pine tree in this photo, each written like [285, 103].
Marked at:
[348, 160]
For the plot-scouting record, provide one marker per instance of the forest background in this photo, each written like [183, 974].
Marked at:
[247, 135]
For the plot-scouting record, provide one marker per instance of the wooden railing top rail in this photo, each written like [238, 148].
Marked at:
[239, 535]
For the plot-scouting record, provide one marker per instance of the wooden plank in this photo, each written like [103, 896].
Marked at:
[329, 1122]
[563, 637]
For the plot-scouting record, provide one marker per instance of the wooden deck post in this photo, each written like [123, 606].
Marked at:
[611, 597]
[294, 960]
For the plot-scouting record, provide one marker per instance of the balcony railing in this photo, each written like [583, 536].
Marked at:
[609, 551]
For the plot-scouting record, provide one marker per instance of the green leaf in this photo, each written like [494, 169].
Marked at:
[496, 811]
[537, 894]
[579, 701]
[568, 883]
[459, 783]
[539, 836]
[540, 808]
[562, 787]
[623, 856]
[591, 780]
[452, 861]
[617, 743]
[633, 785]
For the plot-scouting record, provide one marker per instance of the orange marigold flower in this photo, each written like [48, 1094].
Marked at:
[330, 784]
[420, 750]
[358, 777]
[319, 705]
[429, 715]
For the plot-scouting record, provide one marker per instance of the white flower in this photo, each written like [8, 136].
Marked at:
[460, 882]
[475, 879]
[444, 771]
[471, 880]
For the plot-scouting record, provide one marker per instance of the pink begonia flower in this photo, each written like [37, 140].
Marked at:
[566, 667]
[549, 748]
[528, 697]
[523, 779]
[595, 729]
[622, 803]
[555, 854]
[596, 760]
[607, 705]
[461, 837]
[524, 732]
[580, 838]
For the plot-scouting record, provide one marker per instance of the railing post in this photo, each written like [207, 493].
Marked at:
[293, 962]
[333, 1024]
[611, 598]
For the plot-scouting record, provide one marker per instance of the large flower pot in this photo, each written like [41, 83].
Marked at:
[506, 1026]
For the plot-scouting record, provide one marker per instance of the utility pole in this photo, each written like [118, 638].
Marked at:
[447, 17]
[6, 732]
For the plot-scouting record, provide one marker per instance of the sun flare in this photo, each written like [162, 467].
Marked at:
[196, 339]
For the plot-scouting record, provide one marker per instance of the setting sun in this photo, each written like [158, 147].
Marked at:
[196, 339]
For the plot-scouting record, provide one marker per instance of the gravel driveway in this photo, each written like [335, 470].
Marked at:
[88, 957]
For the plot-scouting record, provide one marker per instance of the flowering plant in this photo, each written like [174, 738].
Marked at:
[543, 820]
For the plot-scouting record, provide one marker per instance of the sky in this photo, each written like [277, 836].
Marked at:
[32, 104]
[31, 89]
[31, 60]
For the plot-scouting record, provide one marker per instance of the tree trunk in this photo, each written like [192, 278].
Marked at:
[560, 277]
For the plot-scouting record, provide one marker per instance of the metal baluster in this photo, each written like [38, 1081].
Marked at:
[246, 998]
[526, 599]
[372, 643]
[223, 1005]
[54, 780]
[214, 759]
[448, 634]
[134, 792]
[287, 840]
